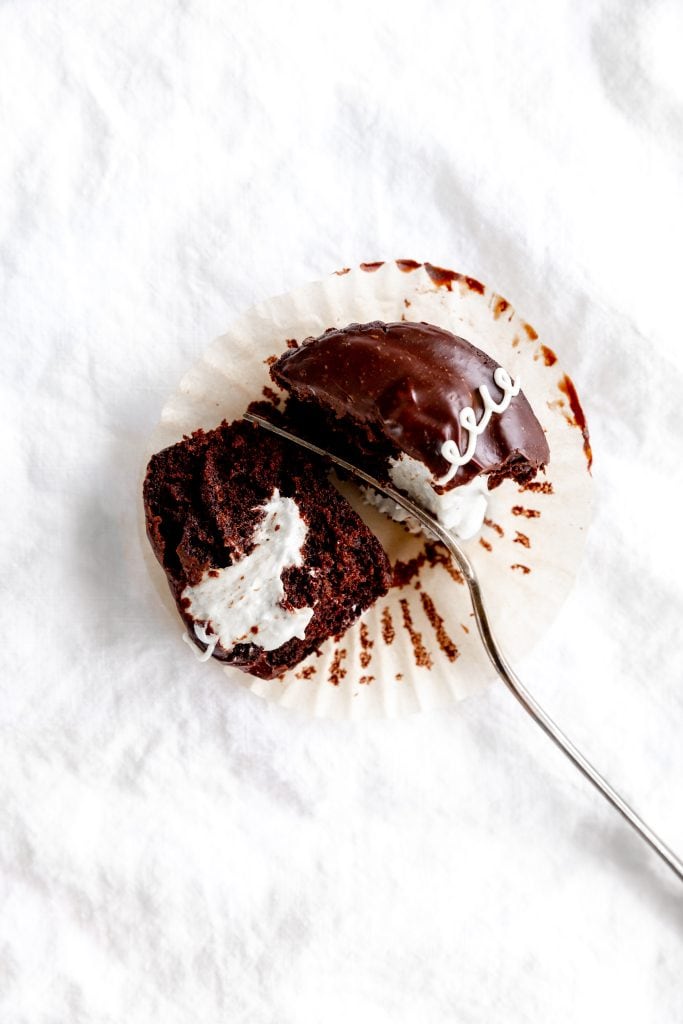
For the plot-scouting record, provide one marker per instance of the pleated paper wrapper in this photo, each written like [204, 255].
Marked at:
[418, 647]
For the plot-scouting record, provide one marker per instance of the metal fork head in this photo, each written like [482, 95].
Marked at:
[427, 520]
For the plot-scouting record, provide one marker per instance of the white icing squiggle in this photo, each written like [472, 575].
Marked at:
[245, 602]
[468, 420]
[210, 641]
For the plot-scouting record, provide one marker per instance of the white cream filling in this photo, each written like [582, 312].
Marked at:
[460, 510]
[249, 593]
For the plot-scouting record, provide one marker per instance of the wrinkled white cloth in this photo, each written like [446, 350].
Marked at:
[172, 848]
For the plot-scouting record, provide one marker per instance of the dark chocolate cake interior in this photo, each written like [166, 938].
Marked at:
[202, 500]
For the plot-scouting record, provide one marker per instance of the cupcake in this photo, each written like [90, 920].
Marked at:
[392, 630]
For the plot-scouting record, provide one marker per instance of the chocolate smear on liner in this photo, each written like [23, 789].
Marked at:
[366, 645]
[531, 332]
[365, 680]
[522, 539]
[270, 360]
[567, 388]
[442, 278]
[388, 631]
[407, 265]
[306, 673]
[474, 285]
[337, 673]
[445, 642]
[522, 568]
[495, 527]
[500, 306]
[344, 270]
[485, 544]
[370, 268]
[528, 513]
[549, 357]
[407, 303]
[537, 487]
[422, 658]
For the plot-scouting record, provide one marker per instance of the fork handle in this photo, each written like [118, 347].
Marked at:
[543, 719]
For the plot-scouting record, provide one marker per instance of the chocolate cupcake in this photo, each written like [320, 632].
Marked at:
[416, 646]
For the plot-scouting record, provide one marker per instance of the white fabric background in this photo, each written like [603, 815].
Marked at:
[171, 847]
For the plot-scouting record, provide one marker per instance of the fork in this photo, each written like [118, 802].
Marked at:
[495, 654]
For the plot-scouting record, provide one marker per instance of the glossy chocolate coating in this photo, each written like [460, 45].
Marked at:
[410, 381]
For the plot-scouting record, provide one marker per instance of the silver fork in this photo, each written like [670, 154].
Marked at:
[513, 683]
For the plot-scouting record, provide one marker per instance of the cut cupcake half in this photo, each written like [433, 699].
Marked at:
[264, 557]
[419, 408]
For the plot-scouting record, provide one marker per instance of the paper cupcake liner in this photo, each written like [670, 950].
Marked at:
[418, 647]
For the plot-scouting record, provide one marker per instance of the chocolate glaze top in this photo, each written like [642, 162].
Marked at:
[410, 381]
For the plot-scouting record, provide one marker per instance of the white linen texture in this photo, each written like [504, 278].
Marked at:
[173, 848]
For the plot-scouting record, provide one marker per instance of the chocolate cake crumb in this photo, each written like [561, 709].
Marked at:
[337, 673]
[445, 643]
[495, 527]
[537, 487]
[388, 631]
[366, 645]
[422, 657]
